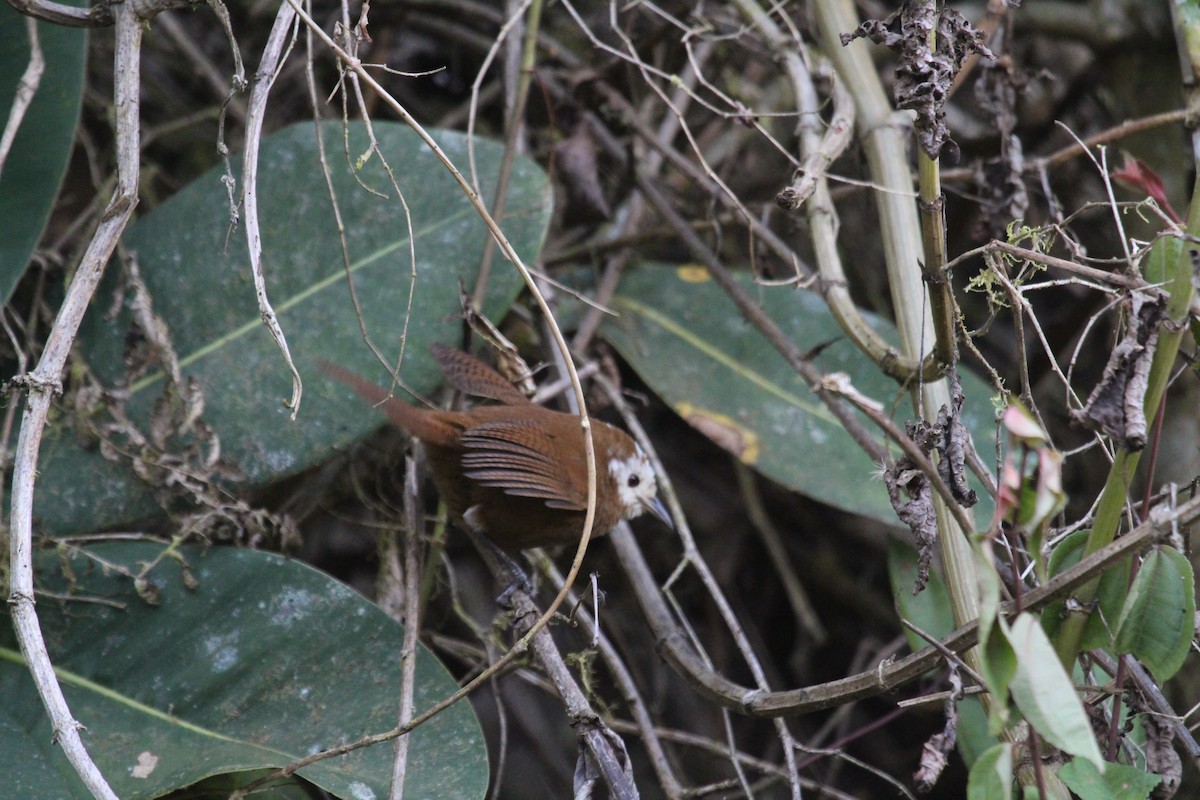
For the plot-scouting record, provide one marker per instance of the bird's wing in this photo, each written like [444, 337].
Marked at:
[511, 455]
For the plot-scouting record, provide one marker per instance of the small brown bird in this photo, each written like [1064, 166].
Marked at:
[517, 471]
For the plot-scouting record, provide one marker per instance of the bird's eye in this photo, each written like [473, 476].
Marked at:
[634, 480]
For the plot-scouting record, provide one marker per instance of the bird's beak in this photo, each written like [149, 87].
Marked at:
[656, 507]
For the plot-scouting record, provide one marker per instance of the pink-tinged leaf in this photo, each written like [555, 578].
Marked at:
[1137, 176]
[1021, 425]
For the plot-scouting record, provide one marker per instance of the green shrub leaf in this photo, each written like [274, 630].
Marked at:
[991, 776]
[689, 343]
[200, 284]
[265, 661]
[1043, 691]
[1117, 782]
[38, 160]
[1157, 621]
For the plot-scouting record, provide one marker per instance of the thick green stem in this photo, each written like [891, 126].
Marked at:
[885, 138]
[933, 231]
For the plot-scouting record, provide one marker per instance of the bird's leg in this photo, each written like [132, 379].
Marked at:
[507, 571]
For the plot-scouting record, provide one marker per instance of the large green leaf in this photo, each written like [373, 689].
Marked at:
[998, 664]
[38, 159]
[991, 775]
[689, 343]
[200, 283]
[1158, 618]
[265, 661]
[1117, 782]
[222, 787]
[1043, 691]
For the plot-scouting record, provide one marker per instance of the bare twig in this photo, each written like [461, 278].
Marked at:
[1045, 260]
[1033, 166]
[635, 704]
[43, 383]
[101, 15]
[810, 187]
[673, 645]
[635, 214]
[412, 621]
[514, 137]
[603, 746]
[27, 87]
[256, 108]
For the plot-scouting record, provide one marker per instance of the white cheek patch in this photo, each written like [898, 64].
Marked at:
[620, 469]
[633, 497]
